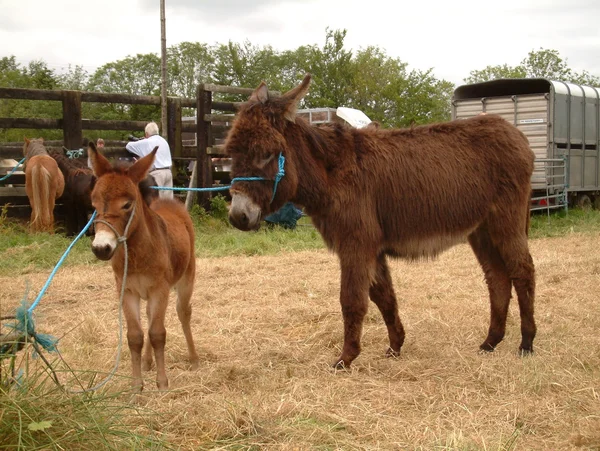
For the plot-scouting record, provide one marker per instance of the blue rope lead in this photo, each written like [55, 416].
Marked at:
[24, 315]
[60, 262]
[280, 174]
[13, 170]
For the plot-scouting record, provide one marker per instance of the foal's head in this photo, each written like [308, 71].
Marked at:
[255, 141]
[117, 200]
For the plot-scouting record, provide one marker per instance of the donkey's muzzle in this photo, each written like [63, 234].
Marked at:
[243, 213]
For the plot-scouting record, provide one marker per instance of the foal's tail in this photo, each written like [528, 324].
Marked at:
[41, 213]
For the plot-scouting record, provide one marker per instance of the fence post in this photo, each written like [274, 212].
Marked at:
[71, 122]
[203, 160]
[174, 125]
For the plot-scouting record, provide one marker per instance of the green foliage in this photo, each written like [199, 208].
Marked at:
[542, 63]
[219, 208]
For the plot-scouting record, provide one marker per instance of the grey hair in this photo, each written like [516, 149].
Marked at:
[151, 129]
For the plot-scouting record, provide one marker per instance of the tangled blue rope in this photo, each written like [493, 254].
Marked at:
[73, 154]
[13, 170]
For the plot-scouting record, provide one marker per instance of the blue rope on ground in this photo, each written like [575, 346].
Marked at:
[13, 170]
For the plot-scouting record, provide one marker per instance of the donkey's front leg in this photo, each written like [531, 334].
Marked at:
[157, 308]
[135, 337]
[354, 298]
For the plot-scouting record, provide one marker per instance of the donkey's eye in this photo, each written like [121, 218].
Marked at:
[265, 161]
[127, 206]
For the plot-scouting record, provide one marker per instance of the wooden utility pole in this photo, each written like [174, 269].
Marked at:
[163, 70]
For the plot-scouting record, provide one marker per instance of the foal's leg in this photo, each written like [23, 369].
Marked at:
[498, 282]
[135, 336]
[147, 357]
[354, 297]
[514, 250]
[157, 308]
[184, 288]
[382, 294]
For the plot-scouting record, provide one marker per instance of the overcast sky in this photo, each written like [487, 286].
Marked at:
[452, 37]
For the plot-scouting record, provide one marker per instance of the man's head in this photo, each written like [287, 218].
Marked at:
[100, 143]
[151, 129]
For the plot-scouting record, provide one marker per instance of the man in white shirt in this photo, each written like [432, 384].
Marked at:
[161, 170]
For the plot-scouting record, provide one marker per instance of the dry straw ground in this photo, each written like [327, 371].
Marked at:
[268, 328]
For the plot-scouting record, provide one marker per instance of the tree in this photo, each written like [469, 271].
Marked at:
[190, 63]
[542, 63]
[495, 72]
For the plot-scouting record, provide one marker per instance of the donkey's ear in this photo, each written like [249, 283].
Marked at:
[260, 94]
[138, 171]
[100, 164]
[294, 96]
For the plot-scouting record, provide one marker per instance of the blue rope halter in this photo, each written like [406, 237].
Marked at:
[280, 174]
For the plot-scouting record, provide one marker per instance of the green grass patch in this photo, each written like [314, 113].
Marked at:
[36, 413]
[22, 252]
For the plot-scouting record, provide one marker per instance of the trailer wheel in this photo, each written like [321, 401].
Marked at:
[584, 202]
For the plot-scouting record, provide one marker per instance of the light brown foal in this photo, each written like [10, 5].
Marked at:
[160, 244]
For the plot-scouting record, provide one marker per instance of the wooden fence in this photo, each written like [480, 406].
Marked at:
[199, 140]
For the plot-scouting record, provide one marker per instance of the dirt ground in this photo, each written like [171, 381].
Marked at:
[268, 329]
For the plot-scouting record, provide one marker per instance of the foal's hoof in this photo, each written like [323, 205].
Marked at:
[390, 353]
[146, 365]
[194, 365]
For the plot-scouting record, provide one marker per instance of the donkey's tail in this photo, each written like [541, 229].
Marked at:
[41, 213]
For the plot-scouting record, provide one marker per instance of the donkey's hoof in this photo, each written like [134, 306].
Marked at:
[341, 365]
[486, 347]
[390, 353]
[525, 352]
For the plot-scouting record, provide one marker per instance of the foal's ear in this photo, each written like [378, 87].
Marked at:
[260, 94]
[100, 164]
[138, 171]
[27, 141]
[294, 96]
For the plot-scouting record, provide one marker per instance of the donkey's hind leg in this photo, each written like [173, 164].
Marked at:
[382, 294]
[515, 252]
[498, 282]
[184, 288]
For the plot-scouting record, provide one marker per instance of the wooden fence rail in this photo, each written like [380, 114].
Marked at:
[205, 134]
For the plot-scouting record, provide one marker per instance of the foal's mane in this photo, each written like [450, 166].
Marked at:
[145, 186]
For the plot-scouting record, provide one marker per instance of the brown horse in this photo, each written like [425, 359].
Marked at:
[44, 183]
[160, 243]
[79, 182]
[408, 193]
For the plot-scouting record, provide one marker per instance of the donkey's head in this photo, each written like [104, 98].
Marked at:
[117, 200]
[260, 134]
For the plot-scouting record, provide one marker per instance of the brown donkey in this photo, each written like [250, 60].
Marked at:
[44, 183]
[160, 244]
[409, 193]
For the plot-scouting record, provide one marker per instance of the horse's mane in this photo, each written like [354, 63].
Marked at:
[34, 148]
